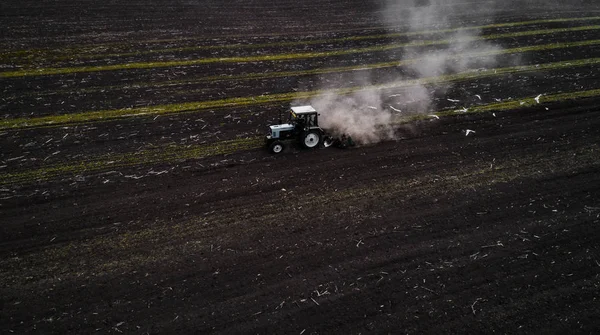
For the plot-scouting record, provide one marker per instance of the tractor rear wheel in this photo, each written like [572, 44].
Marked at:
[276, 147]
[311, 139]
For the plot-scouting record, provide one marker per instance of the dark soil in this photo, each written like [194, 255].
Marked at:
[434, 232]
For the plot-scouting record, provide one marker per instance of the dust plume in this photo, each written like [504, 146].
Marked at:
[358, 115]
[368, 116]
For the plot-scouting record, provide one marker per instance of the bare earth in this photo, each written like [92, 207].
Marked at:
[182, 223]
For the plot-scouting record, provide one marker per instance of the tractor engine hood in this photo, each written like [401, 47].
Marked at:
[282, 127]
[278, 131]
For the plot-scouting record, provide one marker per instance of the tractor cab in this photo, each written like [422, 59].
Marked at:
[304, 118]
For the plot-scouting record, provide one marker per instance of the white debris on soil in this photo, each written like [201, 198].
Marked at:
[537, 99]
[434, 116]
[453, 100]
[134, 176]
[157, 173]
[468, 131]
[473, 305]
[498, 244]
[395, 109]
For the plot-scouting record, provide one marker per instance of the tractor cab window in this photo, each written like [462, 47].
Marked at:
[311, 120]
[303, 120]
[307, 119]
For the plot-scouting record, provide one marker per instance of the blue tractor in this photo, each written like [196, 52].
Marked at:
[303, 128]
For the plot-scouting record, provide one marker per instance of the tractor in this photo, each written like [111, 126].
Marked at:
[303, 128]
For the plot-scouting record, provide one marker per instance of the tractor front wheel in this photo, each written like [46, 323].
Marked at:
[311, 139]
[276, 147]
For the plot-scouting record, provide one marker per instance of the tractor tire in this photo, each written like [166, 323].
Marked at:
[276, 147]
[311, 139]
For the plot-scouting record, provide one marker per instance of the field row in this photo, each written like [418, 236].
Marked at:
[137, 195]
[171, 154]
[531, 54]
[101, 51]
[43, 71]
[211, 126]
[452, 179]
[38, 97]
[107, 115]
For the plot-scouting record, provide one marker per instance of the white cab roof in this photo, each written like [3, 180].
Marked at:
[303, 109]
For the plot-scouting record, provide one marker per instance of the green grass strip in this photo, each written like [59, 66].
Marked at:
[105, 115]
[332, 40]
[144, 157]
[68, 53]
[276, 57]
[255, 76]
[176, 153]
[270, 75]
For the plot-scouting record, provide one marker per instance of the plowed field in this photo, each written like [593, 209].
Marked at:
[136, 195]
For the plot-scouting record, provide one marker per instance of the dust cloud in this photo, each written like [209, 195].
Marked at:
[358, 115]
[368, 116]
